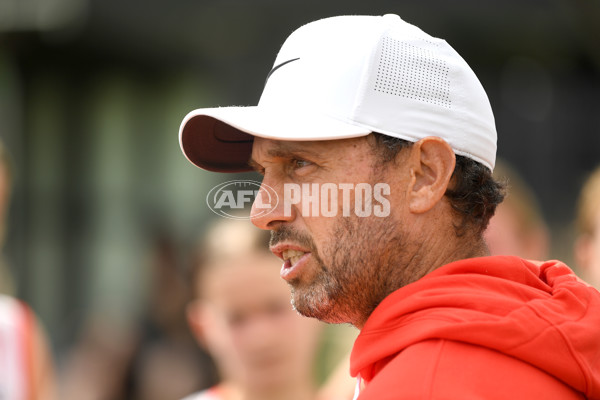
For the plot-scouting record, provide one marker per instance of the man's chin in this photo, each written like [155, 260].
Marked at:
[319, 307]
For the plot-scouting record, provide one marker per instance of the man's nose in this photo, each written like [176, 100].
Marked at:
[268, 210]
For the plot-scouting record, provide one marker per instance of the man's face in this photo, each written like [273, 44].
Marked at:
[337, 266]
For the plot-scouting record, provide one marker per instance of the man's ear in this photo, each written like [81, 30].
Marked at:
[432, 162]
[195, 314]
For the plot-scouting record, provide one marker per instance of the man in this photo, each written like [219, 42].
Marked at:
[398, 122]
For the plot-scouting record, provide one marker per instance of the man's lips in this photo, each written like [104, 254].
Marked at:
[279, 248]
[294, 257]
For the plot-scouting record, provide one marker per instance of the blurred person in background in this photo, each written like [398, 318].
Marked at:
[152, 358]
[26, 364]
[518, 227]
[587, 244]
[168, 364]
[7, 285]
[241, 314]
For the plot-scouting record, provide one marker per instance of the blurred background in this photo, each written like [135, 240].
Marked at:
[92, 93]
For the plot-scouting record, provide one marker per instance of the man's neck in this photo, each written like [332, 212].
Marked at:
[467, 247]
[430, 254]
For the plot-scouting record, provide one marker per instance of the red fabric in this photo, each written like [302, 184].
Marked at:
[484, 328]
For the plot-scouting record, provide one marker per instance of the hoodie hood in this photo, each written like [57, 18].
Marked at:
[540, 313]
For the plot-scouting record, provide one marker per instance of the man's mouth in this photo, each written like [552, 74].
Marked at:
[293, 256]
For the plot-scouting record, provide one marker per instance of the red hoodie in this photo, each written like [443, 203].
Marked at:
[484, 328]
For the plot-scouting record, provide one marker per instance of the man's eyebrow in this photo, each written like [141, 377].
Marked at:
[284, 151]
[289, 149]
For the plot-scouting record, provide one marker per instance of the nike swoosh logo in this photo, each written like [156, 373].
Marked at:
[275, 68]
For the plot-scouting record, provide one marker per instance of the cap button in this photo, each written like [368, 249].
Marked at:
[392, 18]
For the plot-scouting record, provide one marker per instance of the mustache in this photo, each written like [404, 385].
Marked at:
[286, 233]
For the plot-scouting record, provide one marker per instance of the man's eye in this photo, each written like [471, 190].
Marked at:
[298, 163]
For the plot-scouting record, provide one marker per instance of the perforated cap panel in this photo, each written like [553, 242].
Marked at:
[412, 72]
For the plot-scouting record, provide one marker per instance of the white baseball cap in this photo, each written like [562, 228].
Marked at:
[345, 77]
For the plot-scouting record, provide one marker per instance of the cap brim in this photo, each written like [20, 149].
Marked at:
[220, 139]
